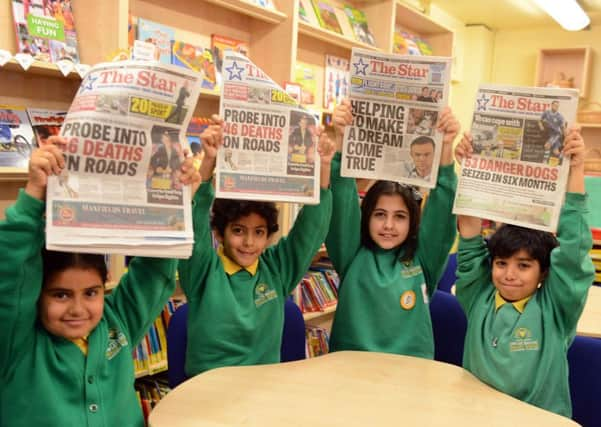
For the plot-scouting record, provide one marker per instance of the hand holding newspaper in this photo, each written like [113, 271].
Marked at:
[517, 173]
[121, 191]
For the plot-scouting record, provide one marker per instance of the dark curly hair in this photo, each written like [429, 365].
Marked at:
[408, 194]
[226, 211]
[56, 262]
[510, 239]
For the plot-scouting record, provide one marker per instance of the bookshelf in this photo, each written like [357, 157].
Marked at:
[556, 66]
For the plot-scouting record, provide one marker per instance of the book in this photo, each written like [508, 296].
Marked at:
[196, 58]
[159, 35]
[45, 123]
[358, 22]
[267, 4]
[304, 75]
[336, 81]
[46, 30]
[16, 137]
[326, 15]
[423, 46]
[306, 13]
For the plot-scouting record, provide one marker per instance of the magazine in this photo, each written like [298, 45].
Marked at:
[396, 103]
[337, 81]
[269, 150]
[358, 22]
[45, 123]
[46, 30]
[326, 15]
[304, 75]
[16, 137]
[517, 174]
[120, 189]
[199, 59]
[159, 35]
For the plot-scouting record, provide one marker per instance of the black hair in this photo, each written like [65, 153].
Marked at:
[422, 140]
[56, 262]
[510, 239]
[412, 201]
[226, 211]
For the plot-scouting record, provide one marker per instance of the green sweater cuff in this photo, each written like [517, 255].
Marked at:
[28, 205]
[471, 243]
[577, 200]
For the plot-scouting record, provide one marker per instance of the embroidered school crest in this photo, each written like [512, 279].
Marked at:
[263, 294]
[522, 340]
[411, 271]
[117, 340]
[408, 300]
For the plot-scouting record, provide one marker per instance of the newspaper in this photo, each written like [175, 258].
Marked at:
[269, 150]
[517, 174]
[396, 103]
[120, 190]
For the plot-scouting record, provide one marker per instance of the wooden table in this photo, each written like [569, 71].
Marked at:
[589, 324]
[345, 389]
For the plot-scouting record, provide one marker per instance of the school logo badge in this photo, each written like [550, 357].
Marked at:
[411, 271]
[263, 294]
[408, 300]
[117, 340]
[522, 340]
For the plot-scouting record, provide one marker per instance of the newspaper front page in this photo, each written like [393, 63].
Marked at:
[269, 150]
[120, 190]
[396, 102]
[517, 174]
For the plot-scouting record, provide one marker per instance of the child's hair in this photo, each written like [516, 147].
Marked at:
[226, 211]
[409, 196]
[509, 239]
[56, 262]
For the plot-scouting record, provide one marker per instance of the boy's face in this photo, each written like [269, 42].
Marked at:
[423, 156]
[245, 239]
[516, 277]
[389, 221]
[72, 302]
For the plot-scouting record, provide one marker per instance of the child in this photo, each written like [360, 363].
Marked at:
[65, 349]
[388, 270]
[236, 299]
[520, 329]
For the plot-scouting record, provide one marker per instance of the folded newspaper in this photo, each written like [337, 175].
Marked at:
[269, 151]
[120, 190]
[517, 174]
[396, 103]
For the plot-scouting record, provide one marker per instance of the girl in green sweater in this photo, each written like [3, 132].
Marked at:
[65, 348]
[388, 269]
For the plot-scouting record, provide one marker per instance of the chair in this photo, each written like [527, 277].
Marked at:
[177, 338]
[293, 340]
[449, 276]
[449, 325]
[584, 359]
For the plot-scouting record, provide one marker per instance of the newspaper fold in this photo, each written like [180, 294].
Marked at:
[120, 190]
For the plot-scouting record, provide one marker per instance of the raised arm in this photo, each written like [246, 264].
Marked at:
[571, 272]
[344, 235]
[193, 271]
[293, 253]
[21, 242]
[438, 227]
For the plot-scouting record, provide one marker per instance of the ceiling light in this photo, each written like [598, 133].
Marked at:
[567, 13]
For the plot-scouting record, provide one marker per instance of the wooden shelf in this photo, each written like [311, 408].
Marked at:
[40, 68]
[317, 314]
[252, 10]
[332, 38]
[572, 62]
[13, 174]
[590, 125]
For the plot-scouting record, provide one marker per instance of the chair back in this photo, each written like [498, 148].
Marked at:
[177, 339]
[584, 359]
[449, 325]
[293, 335]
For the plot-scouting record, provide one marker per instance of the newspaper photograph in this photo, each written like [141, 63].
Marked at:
[396, 102]
[120, 189]
[270, 144]
[517, 174]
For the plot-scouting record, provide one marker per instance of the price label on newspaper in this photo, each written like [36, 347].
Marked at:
[120, 191]
[269, 151]
[517, 174]
[396, 103]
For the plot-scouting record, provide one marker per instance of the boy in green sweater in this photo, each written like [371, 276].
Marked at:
[521, 325]
[65, 348]
[389, 264]
[236, 294]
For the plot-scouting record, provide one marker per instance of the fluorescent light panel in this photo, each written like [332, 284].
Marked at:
[567, 13]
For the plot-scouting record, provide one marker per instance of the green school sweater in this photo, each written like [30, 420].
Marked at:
[238, 319]
[382, 302]
[525, 355]
[46, 380]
